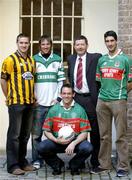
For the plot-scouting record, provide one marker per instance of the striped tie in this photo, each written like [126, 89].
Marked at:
[79, 75]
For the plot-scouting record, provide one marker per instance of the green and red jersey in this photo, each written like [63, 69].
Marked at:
[114, 73]
[58, 117]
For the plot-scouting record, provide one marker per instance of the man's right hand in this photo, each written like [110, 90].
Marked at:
[61, 140]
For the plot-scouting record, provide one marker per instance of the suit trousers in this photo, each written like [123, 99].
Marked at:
[106, 110]
[87, 103]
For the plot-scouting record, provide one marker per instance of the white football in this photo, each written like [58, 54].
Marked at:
[66, 132]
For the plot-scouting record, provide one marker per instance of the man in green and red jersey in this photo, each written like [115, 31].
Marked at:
[67, 112]
[113, 71]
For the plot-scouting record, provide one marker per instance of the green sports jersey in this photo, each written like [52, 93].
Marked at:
[114, 74]
[49, 78]
[58, 117]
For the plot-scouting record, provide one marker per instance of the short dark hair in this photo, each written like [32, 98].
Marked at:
[21, 35]
[110, 33]
[43, 37]
[81, 37]
[67, 85]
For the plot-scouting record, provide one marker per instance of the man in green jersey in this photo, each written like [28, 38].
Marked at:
[113, 71]
[49, 78]
[66, 113]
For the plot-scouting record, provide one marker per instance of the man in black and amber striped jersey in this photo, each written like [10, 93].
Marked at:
[17, 81]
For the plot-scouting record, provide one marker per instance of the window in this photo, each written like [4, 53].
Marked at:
[60, 19]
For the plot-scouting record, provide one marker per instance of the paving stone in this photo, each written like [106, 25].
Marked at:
[45, 173]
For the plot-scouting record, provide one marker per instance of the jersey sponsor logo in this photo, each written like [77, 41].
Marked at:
[58, 125]
[74, 123]
[27, 75]
[113, 73]
[46, 76]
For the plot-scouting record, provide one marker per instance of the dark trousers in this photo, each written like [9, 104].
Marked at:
[20, 123]
[87, 104]
[49, 149]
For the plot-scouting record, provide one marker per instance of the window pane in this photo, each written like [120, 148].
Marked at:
[36, 28]
[57, 23]
[66, 52]
[67, 28]
[36, 7]
[26, 26]
[57, 49]
[57, 7]
[26, 7]
[47, 26]
[47, 7]
[57, 29]
[77, 27]
[35, 48]
[67, 7]
[78, 8]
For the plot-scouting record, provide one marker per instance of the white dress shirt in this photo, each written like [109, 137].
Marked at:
[84, 88]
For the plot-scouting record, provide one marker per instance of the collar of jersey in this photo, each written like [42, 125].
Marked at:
[50, 56]
[72, 104]
[19, 54]
[47, 62]
[118, 52]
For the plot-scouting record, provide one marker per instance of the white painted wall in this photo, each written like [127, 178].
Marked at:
[9, 28]
[100, 16]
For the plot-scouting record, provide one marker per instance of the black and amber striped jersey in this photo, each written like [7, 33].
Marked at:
[19, 74]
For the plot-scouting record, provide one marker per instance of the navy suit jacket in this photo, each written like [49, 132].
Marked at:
[91, 64]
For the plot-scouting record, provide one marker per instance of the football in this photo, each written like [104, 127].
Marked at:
[66, 132]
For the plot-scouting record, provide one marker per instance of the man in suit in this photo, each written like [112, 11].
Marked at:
[86, 88]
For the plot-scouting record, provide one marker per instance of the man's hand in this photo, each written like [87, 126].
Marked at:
[4, 86]
[35, 104]
[70, 148]
[81, 137]
[61, 140]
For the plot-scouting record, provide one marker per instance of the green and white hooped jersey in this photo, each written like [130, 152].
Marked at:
[49, 78]
[114, 74]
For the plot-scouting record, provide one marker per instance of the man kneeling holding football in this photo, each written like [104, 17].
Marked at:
[66, 128]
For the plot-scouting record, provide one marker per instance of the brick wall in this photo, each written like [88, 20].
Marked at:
[125, 42]
[125, 25]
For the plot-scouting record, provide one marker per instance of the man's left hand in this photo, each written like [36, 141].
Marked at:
[70, 148]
